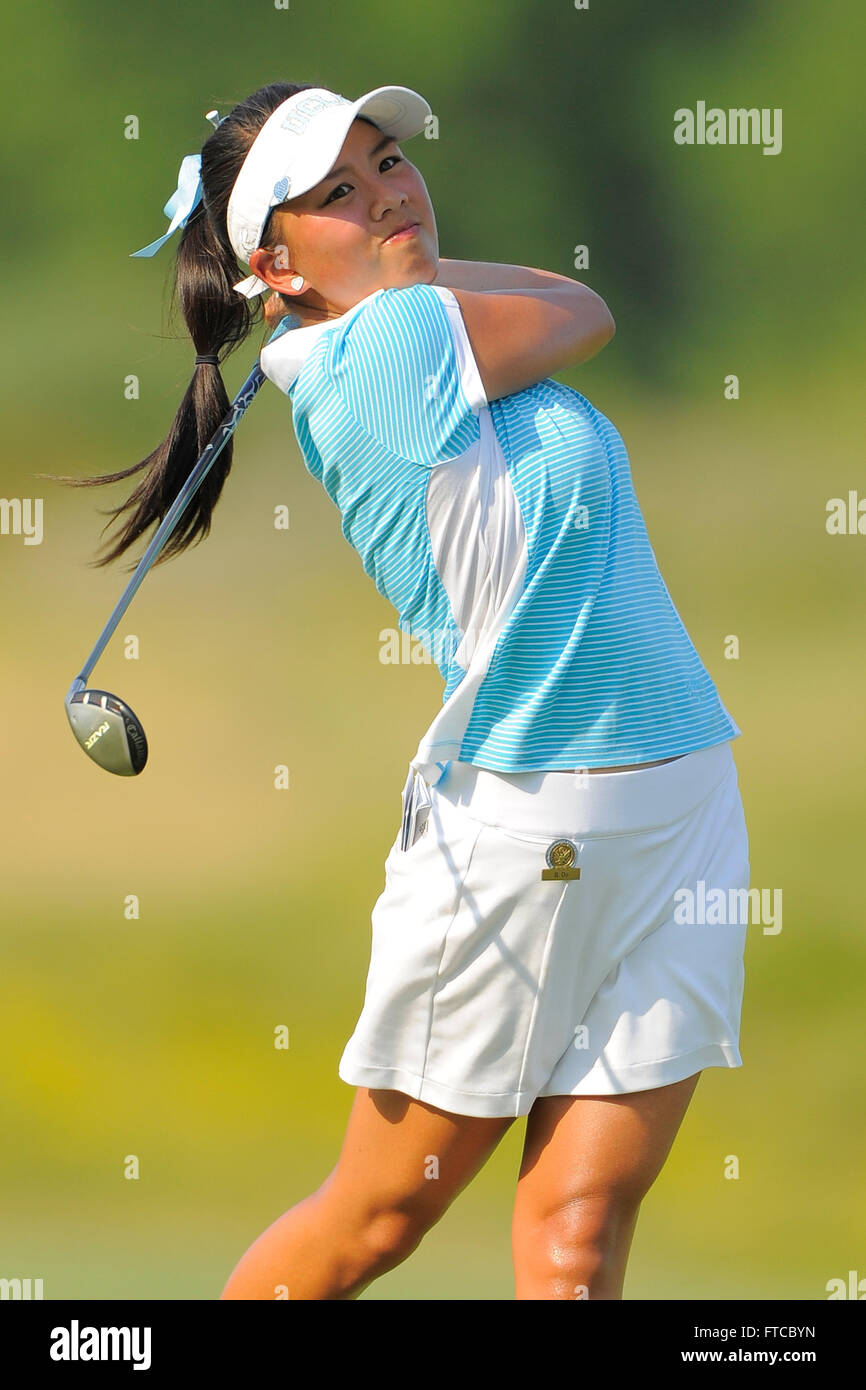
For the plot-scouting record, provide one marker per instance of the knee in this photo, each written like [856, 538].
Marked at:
[594, 1221]
[578, 1239]
[391, 1233]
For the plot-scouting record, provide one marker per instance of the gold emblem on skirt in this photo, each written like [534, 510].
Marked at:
[560, 857]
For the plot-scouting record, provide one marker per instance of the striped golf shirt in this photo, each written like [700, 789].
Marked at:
[506, 534]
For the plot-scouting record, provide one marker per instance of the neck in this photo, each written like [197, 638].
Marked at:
[312, 308]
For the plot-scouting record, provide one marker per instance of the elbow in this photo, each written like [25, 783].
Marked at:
[606, 324]
[595, 335]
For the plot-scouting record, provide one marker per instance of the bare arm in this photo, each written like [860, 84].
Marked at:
[523, 324]
[486, 276]
[520, 336]
[481, 276]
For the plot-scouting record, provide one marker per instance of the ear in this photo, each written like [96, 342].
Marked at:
[272, 264]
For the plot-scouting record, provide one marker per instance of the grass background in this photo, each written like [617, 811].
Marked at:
[154, 1036]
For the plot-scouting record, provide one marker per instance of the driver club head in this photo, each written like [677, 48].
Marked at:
[108, 731]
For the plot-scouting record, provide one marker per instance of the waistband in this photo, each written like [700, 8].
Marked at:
[571, 805]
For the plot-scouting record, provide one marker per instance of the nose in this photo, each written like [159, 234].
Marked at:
[386, 206]
[386, 199]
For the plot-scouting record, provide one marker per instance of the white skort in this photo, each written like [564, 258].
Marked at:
[490, 985]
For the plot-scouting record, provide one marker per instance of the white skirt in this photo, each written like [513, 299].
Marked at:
[548, 933]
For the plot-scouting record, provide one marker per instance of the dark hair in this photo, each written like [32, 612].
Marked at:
[218, 318]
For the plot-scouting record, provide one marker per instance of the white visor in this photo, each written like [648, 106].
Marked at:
[297, 147]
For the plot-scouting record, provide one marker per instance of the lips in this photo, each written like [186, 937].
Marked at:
[403, 228]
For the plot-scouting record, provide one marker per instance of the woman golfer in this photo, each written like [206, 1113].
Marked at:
[539, 947]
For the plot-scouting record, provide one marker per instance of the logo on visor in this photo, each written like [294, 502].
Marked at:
[281, 189]
[300, 116]
[560, 855]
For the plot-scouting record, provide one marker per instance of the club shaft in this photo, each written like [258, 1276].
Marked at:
[222, 435]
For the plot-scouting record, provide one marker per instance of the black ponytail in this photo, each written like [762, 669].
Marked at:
[218, 319]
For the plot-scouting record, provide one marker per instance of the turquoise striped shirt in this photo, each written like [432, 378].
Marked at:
[506, 534]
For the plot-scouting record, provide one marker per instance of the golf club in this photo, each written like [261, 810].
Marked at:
[104, 725]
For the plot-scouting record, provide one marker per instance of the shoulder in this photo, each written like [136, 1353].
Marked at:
[409, 336]
[386, 333]
[416, 312]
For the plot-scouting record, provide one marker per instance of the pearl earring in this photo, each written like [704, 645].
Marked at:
[297, 281]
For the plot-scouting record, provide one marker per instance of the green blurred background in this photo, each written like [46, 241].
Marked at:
[154, 1036]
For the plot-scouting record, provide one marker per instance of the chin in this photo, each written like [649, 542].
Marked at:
[423, 271]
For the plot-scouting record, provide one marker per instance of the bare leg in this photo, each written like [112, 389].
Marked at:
[588, 1162]
[401, 1165]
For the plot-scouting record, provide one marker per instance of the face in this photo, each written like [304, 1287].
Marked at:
[335, 234]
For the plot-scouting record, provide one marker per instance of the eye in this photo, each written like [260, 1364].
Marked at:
[390, 158]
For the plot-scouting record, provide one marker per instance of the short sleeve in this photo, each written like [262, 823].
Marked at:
[404, 371]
